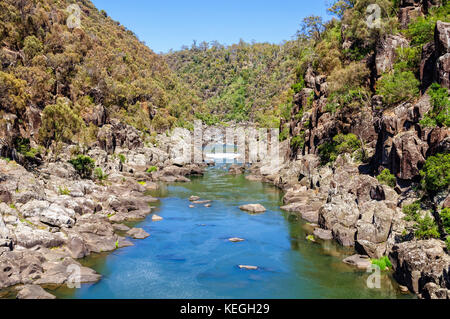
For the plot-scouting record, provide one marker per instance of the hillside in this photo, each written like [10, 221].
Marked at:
[241, 82]
[94, 72]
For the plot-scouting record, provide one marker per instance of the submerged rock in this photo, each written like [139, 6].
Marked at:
[248, 267]
[156, 218]
[194, 198]
[236, 239]
[253, 208]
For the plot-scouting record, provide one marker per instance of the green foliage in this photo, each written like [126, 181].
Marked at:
[439, 115]
[43, 59]
[342, 143]
[63, 190]
[239, 82]
[284, 134]
[32, 46]
[426, 228]
[13, 96]
[397, 87]
[60, 122]
[84, 165]
[298, 142]
[408, 59]
[445, 218]
[383, 262]
[122, 158]
[152, 169]
[412, 211]
[436, 173]
[100, 175]
[447, 242]
[22, 146]
[421, 30]
[387, 178]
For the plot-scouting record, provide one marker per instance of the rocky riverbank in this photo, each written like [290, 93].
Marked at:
[50, 216]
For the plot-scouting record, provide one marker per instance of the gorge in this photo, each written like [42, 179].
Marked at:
[91, 179]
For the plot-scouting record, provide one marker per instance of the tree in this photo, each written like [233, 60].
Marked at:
[312, 27]
[60, 122]
[339, 7]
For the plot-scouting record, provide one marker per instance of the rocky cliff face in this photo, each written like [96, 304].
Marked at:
[343, 199]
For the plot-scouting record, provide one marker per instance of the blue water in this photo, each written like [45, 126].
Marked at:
[188, 254]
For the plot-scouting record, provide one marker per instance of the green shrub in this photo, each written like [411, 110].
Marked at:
[412, 211]
[436, 173]
[387, 178]
[22, 146]
[426, 228]
[439, 115]
[447, 241]
[84, 165]
[342, 143]
[397, 87]
[383, 262]
[122, 158]
[298, 142]
[152, 169]
[346, 143]
[63, 191]
[445, 217]
[100, 175]
[60, 122]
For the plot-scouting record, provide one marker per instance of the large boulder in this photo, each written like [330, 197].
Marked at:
[408, 155]
[417, 263]
[373, 228]
[51, 214]
[340, 215]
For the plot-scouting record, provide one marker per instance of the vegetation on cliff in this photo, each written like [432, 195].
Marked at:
[101, 62]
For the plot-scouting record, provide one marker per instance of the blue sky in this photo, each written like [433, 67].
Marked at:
[165, 25]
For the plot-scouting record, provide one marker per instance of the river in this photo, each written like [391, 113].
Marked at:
[188, 254]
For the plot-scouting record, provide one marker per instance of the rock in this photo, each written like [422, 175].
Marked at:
[201, 202]
[340, 216]
[386, 52]
[403, 289]
[156, 218]
[77, 247]
[408, 155]
[442, 37]
[248, 267]
[51, 214]
[253, 208]
[33, 292]
[236, 240]
[138, 233]
[121, 227]
[443, 70]
[433, 291]
[191, 206]
[194, 198]
[208, 205]
[66, 271]
[236, 169]
[417, 263]
[359, 261]
[28, 237]
[373, 228]
[323, 234]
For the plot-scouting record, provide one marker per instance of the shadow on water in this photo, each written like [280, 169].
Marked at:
[188, 254]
